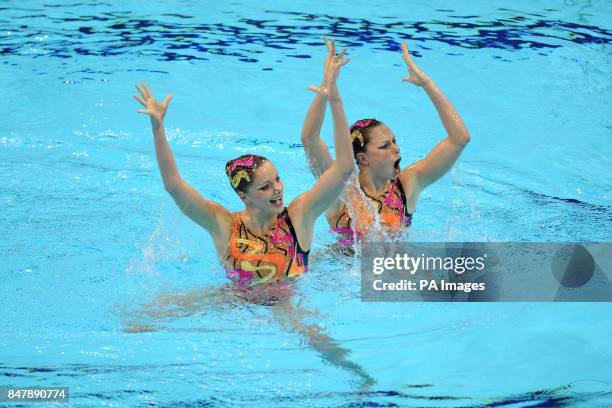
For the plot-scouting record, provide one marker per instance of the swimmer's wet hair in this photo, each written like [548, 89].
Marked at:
[360, 133]
[240, 170]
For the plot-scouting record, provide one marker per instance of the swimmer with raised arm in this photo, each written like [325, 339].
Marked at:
[388, 193]
[267, 242]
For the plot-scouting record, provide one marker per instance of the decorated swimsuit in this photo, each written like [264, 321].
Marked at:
[392, 212]
[252, 260]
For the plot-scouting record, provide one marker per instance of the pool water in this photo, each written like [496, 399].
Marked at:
[93, 248]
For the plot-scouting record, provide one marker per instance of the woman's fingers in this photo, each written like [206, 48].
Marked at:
[147, 90]
[332, 57]
[406, 55]
[318, 89]
[328, 45]
[145, 111]
[167, 100]
[405, 52]
[343, 63]
[412, 80]
[144, 95]
[142, 102]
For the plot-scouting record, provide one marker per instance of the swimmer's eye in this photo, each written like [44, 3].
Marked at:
[388, 144]
[277, 178]
[264, 188]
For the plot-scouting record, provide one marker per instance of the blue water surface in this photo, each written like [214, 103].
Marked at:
[92, 245]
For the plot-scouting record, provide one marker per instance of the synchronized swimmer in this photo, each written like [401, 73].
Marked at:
[386, 195]
[267, 242]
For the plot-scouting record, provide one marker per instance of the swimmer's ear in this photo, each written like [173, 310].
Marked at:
[243, 197]
[361, 158]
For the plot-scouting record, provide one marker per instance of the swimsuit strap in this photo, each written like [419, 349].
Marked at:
[391, 198]
[402, 194]
[299, 257]
[294, 234]
[406, 215]
[300, 263]
[279, 235]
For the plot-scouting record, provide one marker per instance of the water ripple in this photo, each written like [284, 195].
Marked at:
[174, 37]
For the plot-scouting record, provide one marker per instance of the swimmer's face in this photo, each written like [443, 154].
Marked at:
[266, 191]
[382, 155]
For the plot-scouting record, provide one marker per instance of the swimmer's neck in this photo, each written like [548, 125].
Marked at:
[371, 184]
[258, 221]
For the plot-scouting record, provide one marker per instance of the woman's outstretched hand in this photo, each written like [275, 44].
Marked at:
[153, 108]
[331, 70]
[417, 76]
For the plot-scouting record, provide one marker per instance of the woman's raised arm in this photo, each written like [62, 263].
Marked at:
[209, 214]
[442, 157]
[317, 152]
[328, 187]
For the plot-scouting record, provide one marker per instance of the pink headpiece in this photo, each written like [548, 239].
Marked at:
[364, 123]
[247, 162]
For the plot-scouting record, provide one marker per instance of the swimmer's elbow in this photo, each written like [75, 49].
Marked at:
[173, 187]
[463, 139]
[170, 189]
[309, 138]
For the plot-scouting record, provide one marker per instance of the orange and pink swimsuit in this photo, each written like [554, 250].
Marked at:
[392, 211]
[252, 260]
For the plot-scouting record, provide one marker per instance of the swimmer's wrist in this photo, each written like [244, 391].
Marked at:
[157, 123]
[429, 84]
[334, 94]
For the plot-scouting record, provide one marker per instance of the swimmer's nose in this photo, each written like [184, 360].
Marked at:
[277, 188]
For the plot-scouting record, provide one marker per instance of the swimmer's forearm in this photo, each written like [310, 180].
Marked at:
[451, 120]
[165, 159]
[316, 150]
[311, 131]
[342, 137]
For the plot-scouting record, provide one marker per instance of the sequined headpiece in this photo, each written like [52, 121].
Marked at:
[357, 127]
[243, 168]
